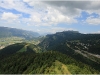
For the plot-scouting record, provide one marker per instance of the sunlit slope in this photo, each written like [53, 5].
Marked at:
[57, 68]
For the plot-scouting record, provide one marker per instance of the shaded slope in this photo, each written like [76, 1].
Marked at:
[11, 49]
[19, 47]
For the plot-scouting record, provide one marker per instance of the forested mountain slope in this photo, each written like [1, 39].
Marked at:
[92, 41]
[43, 63]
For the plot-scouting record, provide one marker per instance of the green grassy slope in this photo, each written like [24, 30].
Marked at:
[57, 68]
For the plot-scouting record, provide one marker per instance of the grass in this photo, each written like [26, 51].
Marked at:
[24, 49]
[57, 68]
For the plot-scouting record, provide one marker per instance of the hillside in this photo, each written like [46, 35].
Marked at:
[63, 37]
[72, 40]
[8, 32]
[43, 63]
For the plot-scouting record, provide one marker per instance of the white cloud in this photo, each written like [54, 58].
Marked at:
[63, 11]
[40, 12]
[73, 9]
[93, 21]
[36, 17]
[98, 32]
[56, 16]
[53, 15]
[9, 16]
[15, 4]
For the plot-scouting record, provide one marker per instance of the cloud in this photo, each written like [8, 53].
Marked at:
[74, 7]
[64, 11]
[98, 32]
[13, 4]
[51, 12]
[9, 16]
[48, 14]
[56, 16]
[40, 12]
[69, 8]
[93, 21]
[36, 17]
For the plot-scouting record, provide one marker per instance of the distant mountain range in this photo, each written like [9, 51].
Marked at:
[8, 32]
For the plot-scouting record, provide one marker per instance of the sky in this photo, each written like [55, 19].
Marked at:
[50, 16]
